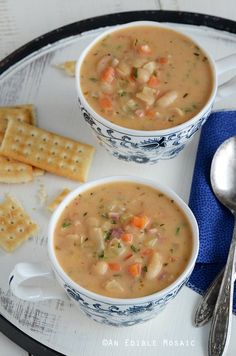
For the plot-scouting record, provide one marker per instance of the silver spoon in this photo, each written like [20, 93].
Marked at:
[223, 181]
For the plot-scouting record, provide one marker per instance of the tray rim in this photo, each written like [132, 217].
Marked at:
[16, 335]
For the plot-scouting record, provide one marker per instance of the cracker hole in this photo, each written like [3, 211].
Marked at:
[20, 229]
[12, 222]
[68, 146]
[56, 143]
[17, 139]
[2, 229]
[11, 237]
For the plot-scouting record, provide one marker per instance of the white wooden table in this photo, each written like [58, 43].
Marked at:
[21, 21]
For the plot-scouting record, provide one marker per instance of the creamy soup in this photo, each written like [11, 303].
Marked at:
[146, 78]
[123, 240]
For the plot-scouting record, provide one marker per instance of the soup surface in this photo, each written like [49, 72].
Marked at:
[123, 240]
[146, 78]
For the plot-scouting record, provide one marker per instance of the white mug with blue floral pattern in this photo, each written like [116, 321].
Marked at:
[151, 146]
[41, 281]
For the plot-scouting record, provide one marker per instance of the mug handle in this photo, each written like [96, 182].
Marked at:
[223, 65]
[35, 282]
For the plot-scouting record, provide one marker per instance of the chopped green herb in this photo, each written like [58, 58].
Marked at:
[162, 224]
[93, 79]
[113, 222]
[107, 235]
[57, 248]
[160, 195]
[105, 215]
[186, 94]
[122, 93]
[177, 230]
[145, 269]
[171, 250]
[86, 239]
[196, 54]
[134, 249]
[165, 264]
[135, 72]
[66, 224]
[86, 213]
[119, 245]
[101, 254]
[135, 42]
[116, 275]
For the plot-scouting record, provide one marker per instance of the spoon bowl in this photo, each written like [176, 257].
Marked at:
[223, 173]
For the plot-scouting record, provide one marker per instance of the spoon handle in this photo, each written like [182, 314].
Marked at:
[221, 323]
[207, 304]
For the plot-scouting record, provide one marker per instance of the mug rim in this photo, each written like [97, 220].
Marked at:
[133, 179]
[144, 133]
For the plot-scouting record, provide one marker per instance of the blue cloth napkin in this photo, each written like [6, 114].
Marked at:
[214, 220]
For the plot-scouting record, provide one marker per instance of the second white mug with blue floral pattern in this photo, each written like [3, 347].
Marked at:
[151, 146]
[41, 281]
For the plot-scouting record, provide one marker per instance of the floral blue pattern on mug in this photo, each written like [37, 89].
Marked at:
[123, 315]
[142, 149]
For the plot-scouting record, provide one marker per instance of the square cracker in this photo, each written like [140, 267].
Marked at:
[46, 150]
[12, 171]
[23, 113]
[58, 199]
[15, 224]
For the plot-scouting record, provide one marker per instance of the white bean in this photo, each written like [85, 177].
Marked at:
[154, 267]
[96, 235]
[113, 285]
[147, 95]
[100, 268]
[103, 63]
[143, 75]
[167, 99]
[123, 69]
[150, 66]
